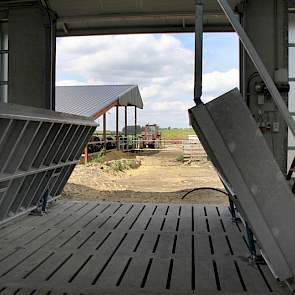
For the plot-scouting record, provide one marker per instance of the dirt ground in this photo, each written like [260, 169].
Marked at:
[160, 178]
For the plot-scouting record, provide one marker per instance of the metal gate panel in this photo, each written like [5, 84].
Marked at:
[38, 151]
[238, 150]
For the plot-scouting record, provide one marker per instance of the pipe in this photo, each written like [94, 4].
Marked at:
[199, 9]
[142, 16]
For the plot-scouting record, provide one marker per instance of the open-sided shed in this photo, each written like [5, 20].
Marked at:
[95, 100]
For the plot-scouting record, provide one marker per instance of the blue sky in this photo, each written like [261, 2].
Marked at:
[220, 50]
[161, 65]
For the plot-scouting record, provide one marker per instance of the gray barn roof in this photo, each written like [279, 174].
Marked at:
[89, 100]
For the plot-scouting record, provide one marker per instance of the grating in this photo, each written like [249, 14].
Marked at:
[90, 247]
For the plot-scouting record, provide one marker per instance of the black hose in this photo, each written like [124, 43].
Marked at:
[250, 78]
[205, 188]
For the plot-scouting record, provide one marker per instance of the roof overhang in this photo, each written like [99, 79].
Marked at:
[131, 97]
[96, 17]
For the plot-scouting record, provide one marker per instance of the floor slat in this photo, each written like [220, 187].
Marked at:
[86, 247]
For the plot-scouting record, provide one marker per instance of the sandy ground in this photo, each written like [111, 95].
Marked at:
[160, 178]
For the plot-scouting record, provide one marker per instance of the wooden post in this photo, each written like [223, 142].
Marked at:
[126, 133]
[117, 127]
[135, 126]
[104, 131]
[86, 156]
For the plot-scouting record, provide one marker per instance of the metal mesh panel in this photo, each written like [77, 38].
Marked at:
[38, 151]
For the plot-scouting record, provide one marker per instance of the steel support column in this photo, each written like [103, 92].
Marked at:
[86, 155]
[198, 50]
[126, 125]
[117, 128]
[104, 132]
[135, 124]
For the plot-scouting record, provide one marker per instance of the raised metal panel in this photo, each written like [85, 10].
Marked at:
[238, 150]
[38, 151]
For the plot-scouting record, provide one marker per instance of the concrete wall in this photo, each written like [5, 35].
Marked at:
[266, 24]
[29, 57]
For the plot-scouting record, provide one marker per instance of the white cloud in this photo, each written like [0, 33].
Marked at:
[70, 83]
[169, 105]
[217, 83]
[160, 64]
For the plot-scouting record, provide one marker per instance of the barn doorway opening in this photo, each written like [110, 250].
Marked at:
[159, 157]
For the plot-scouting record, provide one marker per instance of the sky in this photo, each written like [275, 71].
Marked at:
[162, 65]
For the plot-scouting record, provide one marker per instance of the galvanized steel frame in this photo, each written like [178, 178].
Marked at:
[38, 151]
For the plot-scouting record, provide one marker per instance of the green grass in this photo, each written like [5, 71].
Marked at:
[173, 133]
[178, 134]
[180, 158]
[119, 166]
[100, 158]
[122, 165]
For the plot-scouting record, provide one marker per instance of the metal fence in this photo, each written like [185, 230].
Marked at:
[191, 149]
[38, 151]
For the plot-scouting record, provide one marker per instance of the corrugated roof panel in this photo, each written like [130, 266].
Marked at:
[89, 100]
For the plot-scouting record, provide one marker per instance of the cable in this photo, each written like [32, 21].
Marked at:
[250, 78]
[205, 188]
[51, 20]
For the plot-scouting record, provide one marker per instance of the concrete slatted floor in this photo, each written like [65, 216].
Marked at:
[113, 248]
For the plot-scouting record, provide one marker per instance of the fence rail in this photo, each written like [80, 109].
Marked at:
[191, 149]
